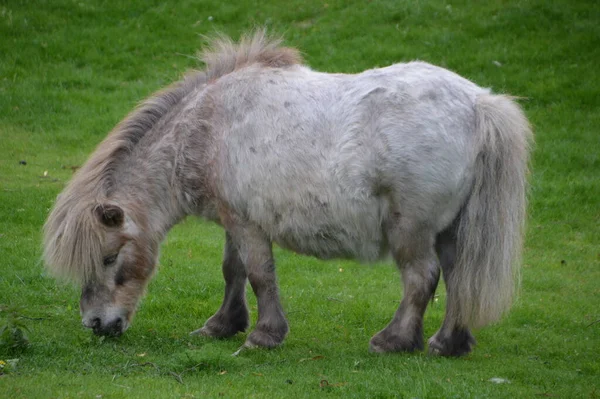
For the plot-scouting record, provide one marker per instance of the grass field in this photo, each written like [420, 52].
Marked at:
[70, 70]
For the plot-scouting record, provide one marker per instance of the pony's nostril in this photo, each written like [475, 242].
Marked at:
[96, 323]
[118, 324]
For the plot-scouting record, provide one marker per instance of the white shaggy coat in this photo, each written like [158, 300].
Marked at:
[410, 159]
[320, 161]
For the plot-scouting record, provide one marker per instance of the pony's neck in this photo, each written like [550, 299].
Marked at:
[163, 179]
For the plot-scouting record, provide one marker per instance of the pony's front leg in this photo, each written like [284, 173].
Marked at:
[256, 252]
[232, 317]
[271, 327]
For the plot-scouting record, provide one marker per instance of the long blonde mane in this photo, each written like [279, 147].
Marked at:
[72, 236]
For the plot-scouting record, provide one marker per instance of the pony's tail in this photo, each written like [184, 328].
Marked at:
[490, 225]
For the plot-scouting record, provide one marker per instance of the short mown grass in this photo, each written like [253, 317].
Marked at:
[70, 70]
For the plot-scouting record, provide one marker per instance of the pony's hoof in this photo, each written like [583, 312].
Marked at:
[210, 331]
[263, 339]
[197, 332]
[219, 327]
[205, 332]
[433, 351]
[381, 343]
[459, 343]
[375, 348]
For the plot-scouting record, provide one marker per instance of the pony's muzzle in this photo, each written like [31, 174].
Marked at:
[106, 327]
[112, 329]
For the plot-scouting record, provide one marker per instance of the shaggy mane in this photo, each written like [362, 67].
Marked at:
[223, 56]
[72, 236]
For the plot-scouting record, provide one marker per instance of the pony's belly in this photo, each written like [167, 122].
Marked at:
[358, 238]
[316, 218]
[323, 247]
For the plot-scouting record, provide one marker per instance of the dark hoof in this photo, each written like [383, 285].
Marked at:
[459, 343]
[219, 326]
[266, 337]
[384, 342]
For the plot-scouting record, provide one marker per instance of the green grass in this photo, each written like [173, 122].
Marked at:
[70, 70]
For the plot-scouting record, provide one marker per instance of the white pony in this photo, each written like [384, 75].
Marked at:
[411, 160]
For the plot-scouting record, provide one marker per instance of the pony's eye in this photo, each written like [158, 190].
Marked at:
[109, 260]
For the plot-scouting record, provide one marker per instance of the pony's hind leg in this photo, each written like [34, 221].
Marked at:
[452, 339]
[232, 317]
[413, 251]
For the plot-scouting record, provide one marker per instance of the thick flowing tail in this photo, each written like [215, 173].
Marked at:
[490, 226]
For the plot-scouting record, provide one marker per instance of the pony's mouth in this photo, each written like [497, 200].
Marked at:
[112, 329]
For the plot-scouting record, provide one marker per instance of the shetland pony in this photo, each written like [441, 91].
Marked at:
[410, 160]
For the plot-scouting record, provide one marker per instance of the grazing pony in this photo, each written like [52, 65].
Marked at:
[410, 160]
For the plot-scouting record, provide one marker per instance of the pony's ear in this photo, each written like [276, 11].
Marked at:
[109, 215]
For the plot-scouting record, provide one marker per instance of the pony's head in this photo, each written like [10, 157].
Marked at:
[105, 249]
